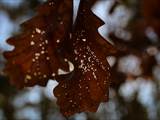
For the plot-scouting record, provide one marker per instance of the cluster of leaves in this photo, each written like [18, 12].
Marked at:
[50, 42]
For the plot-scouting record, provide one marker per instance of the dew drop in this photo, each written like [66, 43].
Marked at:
[84, 40]
[32, 43]
[28, 77]
[38, 30]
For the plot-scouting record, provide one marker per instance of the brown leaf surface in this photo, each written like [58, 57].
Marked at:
[49, 41]
[36, 56]
[87, 86]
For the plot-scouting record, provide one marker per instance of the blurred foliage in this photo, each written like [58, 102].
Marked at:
[138, 61]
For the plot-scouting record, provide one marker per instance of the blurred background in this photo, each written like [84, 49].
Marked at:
[133, 26]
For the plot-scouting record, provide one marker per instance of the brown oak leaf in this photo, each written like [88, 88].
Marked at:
[36, 58]
[50, 41]
[87, 85]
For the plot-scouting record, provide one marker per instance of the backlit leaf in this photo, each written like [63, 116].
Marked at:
[87, 86]
[36, 56]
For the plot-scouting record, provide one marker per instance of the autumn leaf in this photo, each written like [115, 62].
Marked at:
[87, 85]
[49, 42]
[36, 56]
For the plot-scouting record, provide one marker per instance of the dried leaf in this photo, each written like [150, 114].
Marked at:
[87, 86]
[49, 42]
[36, 56]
